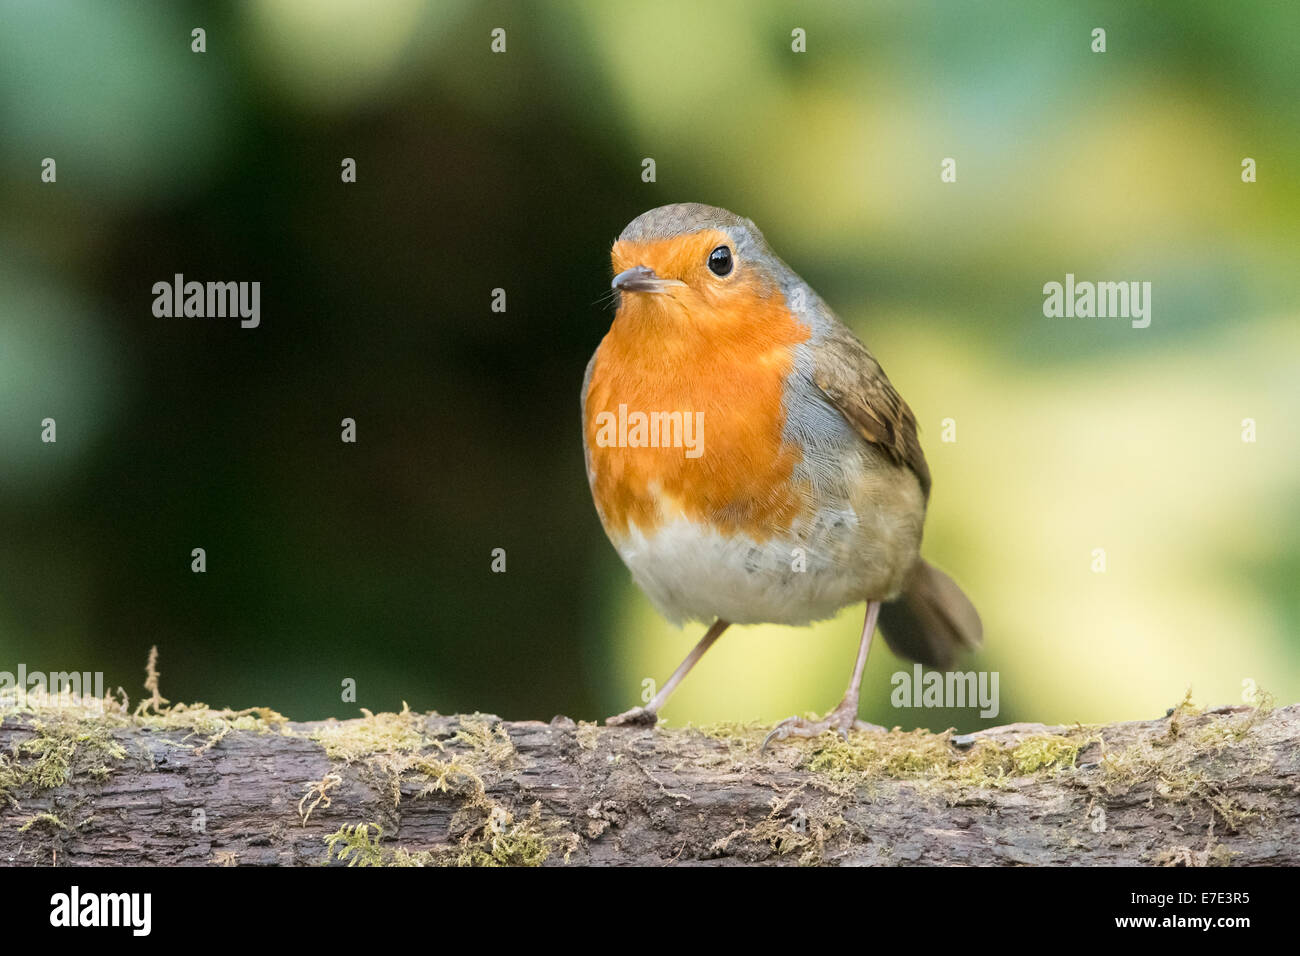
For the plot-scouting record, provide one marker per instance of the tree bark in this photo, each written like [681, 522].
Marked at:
[193, 786]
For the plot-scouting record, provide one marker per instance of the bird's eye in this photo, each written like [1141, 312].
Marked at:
[720, 261]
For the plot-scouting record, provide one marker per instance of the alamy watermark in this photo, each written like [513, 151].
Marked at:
[953, 689]
[636, 429]
[54, 688]
[1099, 300]
[209, 300]
[133, 911]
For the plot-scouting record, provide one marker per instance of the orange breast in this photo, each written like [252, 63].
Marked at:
[725, 359]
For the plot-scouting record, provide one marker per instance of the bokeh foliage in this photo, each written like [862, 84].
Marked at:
[479, 171]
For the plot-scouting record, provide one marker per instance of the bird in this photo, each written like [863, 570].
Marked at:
[750, 460]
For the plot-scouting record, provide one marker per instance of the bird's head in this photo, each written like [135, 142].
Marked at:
[688, 261]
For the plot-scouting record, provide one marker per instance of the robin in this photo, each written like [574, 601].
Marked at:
[749, 458]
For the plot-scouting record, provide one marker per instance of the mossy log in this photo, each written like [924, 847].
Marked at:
[192, 785]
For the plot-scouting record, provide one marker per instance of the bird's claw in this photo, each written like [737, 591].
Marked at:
[636, 717]
[840, 720]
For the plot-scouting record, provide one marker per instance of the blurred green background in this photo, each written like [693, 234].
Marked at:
[478, 170]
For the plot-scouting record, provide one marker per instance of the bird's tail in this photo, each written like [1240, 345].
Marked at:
[931, 620]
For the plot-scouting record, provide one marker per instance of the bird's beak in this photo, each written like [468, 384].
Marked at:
[642, 279]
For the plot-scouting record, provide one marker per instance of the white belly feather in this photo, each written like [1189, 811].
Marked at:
[691, 572]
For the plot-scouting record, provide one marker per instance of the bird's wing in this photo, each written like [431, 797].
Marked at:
[856, 385]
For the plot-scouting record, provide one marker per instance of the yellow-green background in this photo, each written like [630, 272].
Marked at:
[479, 171]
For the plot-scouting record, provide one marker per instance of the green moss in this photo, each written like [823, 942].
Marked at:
[396, 748]
[487, 744]
[73, 737]
[916, 755]
[452, 775]
[64, 744]
[195, 721]
[1044, 752]
[48, 820]
[1231, 728]
[502, 841]
[505, 841]
[73, 741]
[1182, 768]
[11, 778]
[198, 719]
[890, 755]
[1178, 715]
[794, 824]
[921, 755]
[317, 794]
[750, 732]
[358, 845]
[374, 734]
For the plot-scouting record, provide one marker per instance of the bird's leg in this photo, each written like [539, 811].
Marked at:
[844, 717]
[649, 714]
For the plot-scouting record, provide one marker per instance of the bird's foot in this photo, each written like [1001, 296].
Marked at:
[636, 717]
[840, 720]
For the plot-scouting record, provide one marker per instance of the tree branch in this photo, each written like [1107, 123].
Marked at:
[191, 785]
